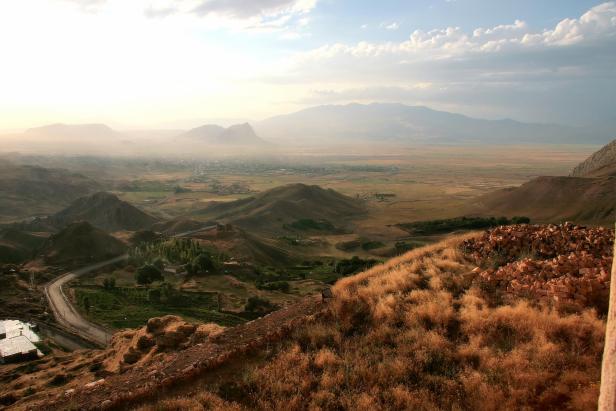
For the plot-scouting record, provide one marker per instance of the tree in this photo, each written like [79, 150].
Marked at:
[147, 274]
[203, 263]
[159, 263]
[109, 283]
[86, 304]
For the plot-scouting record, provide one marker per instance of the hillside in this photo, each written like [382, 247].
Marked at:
[236, 135]
[27, 191]
[243, 246]
[105, 211]
[178, 226]
[271, 209]
[428, 330]
[600, 164]
[381, 122]
[555, 199]
[81, 242]
[18, 246]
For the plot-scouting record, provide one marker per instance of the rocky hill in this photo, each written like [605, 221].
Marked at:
[105, 211]
[80, 243]
[600, 164]
[271, 209]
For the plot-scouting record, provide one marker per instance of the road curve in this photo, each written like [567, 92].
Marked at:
[64, 312]
[67, 316]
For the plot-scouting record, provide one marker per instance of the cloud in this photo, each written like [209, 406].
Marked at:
[500, 67]
[251, 11]
[391, 26]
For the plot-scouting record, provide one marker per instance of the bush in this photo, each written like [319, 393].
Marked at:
[460, 223]
[203, 263]
[283, 286]
[109, 283]
[259, 305]
[147, 274]
[353, 265]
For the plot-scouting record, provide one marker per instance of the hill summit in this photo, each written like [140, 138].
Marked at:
[600, 164]
[105, 211]
[286, 204]
[80, 242]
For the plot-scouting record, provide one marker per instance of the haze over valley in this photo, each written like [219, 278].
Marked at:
[307, 205]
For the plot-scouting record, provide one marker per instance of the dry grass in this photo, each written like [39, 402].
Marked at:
[415, 334]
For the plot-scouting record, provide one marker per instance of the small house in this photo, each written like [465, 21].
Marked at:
[17, 349]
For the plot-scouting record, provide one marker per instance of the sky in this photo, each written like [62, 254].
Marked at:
[167, 63]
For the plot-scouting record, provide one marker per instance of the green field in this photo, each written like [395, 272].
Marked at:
[132, 307]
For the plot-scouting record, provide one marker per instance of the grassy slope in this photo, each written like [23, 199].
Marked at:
[557, 199]
[415, 334]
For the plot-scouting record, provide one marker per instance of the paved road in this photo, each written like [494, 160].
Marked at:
[67, 315]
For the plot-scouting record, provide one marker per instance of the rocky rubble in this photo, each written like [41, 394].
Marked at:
[568, 265]
[160, 335]
[508, 243]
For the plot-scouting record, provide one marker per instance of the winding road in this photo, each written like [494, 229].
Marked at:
[64, 312]
[68, 316]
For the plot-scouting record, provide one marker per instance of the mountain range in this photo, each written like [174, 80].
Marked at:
[321, 125]
[399, 123]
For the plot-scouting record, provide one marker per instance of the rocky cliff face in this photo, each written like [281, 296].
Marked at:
[600, 164]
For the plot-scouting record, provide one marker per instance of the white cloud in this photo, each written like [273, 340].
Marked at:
[391, 26]
[250, 12]
[496, 65]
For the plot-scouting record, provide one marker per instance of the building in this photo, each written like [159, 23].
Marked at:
[17, 341]
[17, 349]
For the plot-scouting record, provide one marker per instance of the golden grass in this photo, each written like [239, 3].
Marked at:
[415, 334]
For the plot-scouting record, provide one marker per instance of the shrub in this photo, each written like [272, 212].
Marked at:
[147, 274]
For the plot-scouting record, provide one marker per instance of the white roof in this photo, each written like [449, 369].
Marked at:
[16, 345]
[15, 328]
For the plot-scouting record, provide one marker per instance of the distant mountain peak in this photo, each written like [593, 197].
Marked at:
[238, 134]
[59, 130]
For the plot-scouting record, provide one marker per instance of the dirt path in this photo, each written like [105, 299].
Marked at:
[64, 312]
[141, 383]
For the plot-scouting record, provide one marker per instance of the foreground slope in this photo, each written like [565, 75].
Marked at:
[425, 332]
[428, 330]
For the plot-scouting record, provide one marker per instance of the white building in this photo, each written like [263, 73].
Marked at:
[17, 349]
[17, 341]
